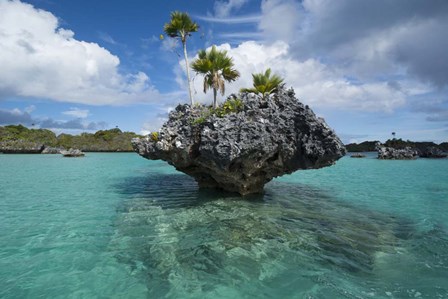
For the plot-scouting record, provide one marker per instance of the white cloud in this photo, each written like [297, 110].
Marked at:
[223, 8]
[17, 116]
[315, 83]
[246, 19]
[30, 108]
[40, 59]
[76, 112]
[281, 19]
[107, 38]
[156, 121]
[377, 38]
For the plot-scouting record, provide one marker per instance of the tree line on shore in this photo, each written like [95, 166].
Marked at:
[370, 146]
[21, 137]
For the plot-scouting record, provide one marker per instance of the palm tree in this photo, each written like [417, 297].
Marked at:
[216, 67]
[264, 84]
[181, 26]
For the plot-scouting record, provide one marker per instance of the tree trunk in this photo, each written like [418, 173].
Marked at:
[188, 72]
[215, 92]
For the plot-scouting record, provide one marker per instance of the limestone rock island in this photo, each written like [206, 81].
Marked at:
[241, 151]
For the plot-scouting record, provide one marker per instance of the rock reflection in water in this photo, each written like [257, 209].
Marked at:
[211, 244]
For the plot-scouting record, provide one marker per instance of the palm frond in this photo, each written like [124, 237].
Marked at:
[216, 67]
[264, 83]
[180, 26]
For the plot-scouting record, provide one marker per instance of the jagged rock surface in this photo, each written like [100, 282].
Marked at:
[20, 147]
[242, 151]
[433, 152]
[390, 153]
[52, 150]
[72, 153]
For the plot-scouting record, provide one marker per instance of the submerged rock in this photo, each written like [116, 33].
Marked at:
[241, 152]
[72, 153]
[390, 153]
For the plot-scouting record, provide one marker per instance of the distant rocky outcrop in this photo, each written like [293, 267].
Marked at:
[20, 147]
[433, 152]
[243, 150]
[358, 155]
[20, 139]
[52, 150]
[390, 153]
[72, 153]
[366, 146]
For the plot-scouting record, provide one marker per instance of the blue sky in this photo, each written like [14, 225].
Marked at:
[368, 67]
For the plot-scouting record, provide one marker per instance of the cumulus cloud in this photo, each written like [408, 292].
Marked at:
[40, 59]
[74, 124]
[157, 119]
[374, 38]
[281, 19]
[17, 116]
[315, 83]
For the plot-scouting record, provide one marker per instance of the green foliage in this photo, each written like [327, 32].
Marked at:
[366, 146]
[400, 144]
[180, 26]
[217, 68]
[19, 132]
[200, 120]
[264, 84]
[107, 135]
[232, 105]
[103, 140]
[229, 106]
[202, 114]
[154, 136]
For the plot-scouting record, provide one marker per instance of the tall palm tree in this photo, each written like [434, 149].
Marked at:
[181, 26]
[264, 84]
[216, 67]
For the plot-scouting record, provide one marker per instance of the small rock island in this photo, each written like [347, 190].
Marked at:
[241, 151]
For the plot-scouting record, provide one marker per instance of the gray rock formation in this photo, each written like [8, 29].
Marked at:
[358, 155]
[433, 152]
[241, 152]
[72, 153]
[52, 150]
[390, 153]
[20, 147]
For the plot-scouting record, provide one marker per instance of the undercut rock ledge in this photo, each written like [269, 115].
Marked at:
[241, 152]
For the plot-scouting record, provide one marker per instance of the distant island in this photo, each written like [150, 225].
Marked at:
[370, 146]
[20, 139]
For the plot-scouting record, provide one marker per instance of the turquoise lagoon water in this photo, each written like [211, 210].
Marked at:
[120, 226]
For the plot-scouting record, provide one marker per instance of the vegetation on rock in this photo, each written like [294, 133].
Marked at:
[264, 83]
[181, 26]
[217, 68]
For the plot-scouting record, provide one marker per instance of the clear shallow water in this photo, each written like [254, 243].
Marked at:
[120, 226]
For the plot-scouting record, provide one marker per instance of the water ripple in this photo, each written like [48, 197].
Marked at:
[195, 243]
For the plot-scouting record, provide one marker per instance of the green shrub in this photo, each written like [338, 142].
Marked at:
[199, 120]
[155, 136]
[229, 106]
